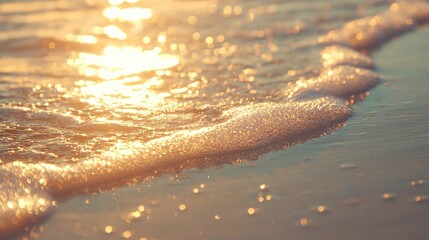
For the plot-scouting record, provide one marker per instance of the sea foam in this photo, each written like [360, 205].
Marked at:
[372, 31]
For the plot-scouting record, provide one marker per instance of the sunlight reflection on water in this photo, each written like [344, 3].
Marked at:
[127, 14]
[119, 92]
[119, 67]
[119, 62]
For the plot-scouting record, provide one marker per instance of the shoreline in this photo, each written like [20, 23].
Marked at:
[369, 175]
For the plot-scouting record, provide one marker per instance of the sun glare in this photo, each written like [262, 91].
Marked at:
[119, 67]
[127, 14]
[120, 62]
[129, 91]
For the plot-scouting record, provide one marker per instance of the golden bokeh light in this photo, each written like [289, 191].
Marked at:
[251, 211]
[303, 221]
[112, 31]
[321, 209]
[85, 39]
[162, 38]
[108, 229]
[127, 234]
[119, 2]
[182, 207]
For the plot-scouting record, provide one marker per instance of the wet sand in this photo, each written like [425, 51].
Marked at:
[368, 180]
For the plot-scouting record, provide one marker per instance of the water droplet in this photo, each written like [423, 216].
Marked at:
[127, 234]
[108, 229]
[303, 221]
[134, 215]
[321, 209]
[182, 207]
[209, 40]
[141, 208]
[417, 183]
[162, 38]
[388, 196]
[421, 198]
[251, 211]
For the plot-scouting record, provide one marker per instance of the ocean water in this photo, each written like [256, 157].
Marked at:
[98, 95]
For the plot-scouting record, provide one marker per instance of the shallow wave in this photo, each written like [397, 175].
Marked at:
[28, 190]
[25, 194]
[369, 32]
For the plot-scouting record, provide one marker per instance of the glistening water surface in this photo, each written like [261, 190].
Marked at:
[98, 94]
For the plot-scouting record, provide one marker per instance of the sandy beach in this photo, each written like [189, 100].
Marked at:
[369, 180]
